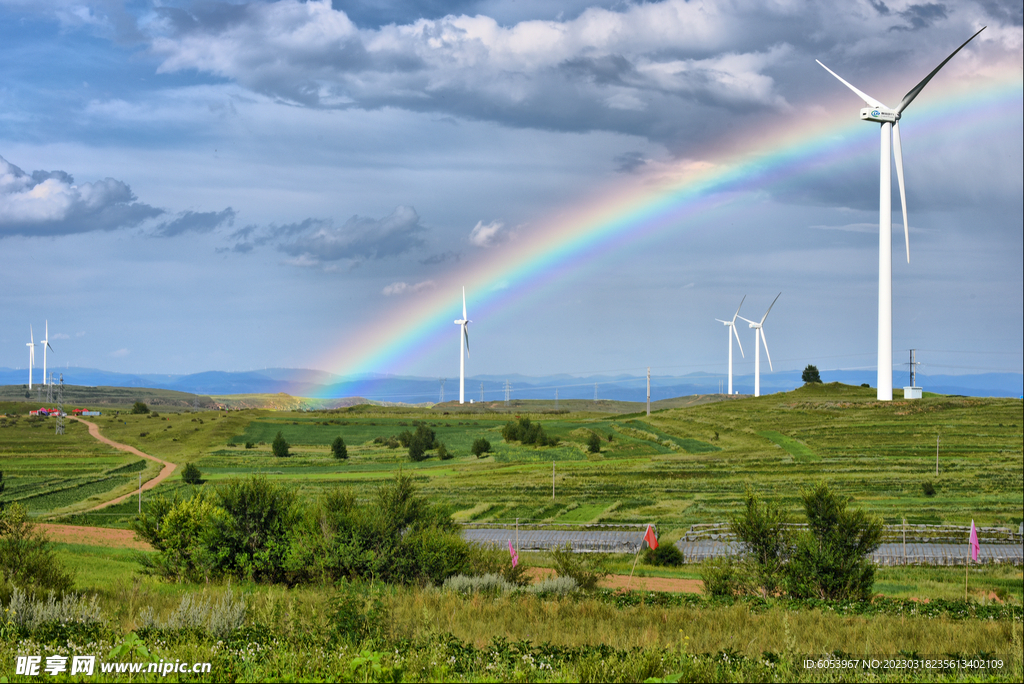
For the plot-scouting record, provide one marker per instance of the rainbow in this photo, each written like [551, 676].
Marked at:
[771, 159]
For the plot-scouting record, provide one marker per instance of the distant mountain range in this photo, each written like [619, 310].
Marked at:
[415, 390]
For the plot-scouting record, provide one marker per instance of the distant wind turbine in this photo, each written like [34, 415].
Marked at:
[759, 339]
[890, 120]
[464, 346]
[732, 331]
[31, 344]
[45, 344]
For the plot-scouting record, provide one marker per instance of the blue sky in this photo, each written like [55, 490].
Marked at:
[191, 186]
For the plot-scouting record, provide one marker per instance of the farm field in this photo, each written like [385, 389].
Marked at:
[674, 468]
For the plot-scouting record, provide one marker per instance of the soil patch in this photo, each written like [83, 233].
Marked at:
[680, 586]
[93, 536]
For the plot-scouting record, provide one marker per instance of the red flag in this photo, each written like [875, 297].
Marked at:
[651, 538]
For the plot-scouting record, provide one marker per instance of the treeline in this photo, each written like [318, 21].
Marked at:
[254, 529]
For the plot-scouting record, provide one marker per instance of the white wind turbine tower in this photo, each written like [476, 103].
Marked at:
[732, 331]
[31, 344]
[759, 339]
[889, 119]
[464, 346]
[45, 344]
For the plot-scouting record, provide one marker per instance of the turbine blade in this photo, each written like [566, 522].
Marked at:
[464, 316]
[897, 149]
[50, 348]
[770, 308]
[746, 319]
[465, 331]
[871, 102]
[721, 321]
[738, 308]
[916, 90]
[764, 340]
[738, 341]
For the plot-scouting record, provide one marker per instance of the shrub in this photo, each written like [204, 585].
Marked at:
[140, 408]
[594, 443]
[480, 447]
[665, 555]
[479, 584]
[928, 488]
[586, 568]
[339, 449]
[417, 452]
[250, 445]
[27, 558]
[191, 474]
[443, 453]
[180, 530]
[527, 432]
[762, 527]
[280, 446]
[830, 560]
[490, 560]
[198, 612]
[720, 576]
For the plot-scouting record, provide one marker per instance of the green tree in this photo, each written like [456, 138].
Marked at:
[27, 558]
[480, 447]
[191, 474]
[594, 443]
[140, 408]
[830, 560]
[339, 449]
[280, 446]
[811, 374]
[443, 453]
[762, 527]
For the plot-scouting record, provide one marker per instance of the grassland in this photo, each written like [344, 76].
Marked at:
[676, 467]
[681, 465]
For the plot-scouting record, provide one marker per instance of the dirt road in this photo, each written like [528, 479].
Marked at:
[165, 472]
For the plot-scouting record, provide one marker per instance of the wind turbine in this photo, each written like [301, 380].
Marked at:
[31, 344]
[759, 339]
[732, 331]
[45, 344]
[889, 118]
[464, 346]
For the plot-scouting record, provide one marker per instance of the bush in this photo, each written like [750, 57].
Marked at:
[830, 561]
[250, 445]
[526, 432]
[928, 488]
[280, 446]
[586, 568]
[480, 447]
[443, 453]
[667, 555]
[181, 531]
[338, 448]
[27, 558]
[762, 527]
[191, 474]
[594, 443]
[252, 538]
[140, 408]
[720, 576]
[490, 560]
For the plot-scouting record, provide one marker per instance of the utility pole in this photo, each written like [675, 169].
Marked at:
[60, 406]
[936, 455]
[649, 390]
[552, 480]
[913, 368]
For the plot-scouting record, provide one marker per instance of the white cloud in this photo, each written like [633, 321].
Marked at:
[401, 288]
[120, 353]
[486, 235]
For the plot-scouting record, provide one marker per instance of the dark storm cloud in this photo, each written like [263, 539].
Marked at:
[195, 222]
[628, 162]
[921, 16]
[50, 203]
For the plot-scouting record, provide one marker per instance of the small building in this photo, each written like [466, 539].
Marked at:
[912, 392]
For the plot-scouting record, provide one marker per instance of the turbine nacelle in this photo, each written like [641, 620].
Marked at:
[879, 115]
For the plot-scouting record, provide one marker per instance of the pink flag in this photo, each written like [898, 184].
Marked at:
[513, 554]
[650, 538]
[975, 546]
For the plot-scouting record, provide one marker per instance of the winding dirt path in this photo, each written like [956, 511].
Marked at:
[165, 472]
